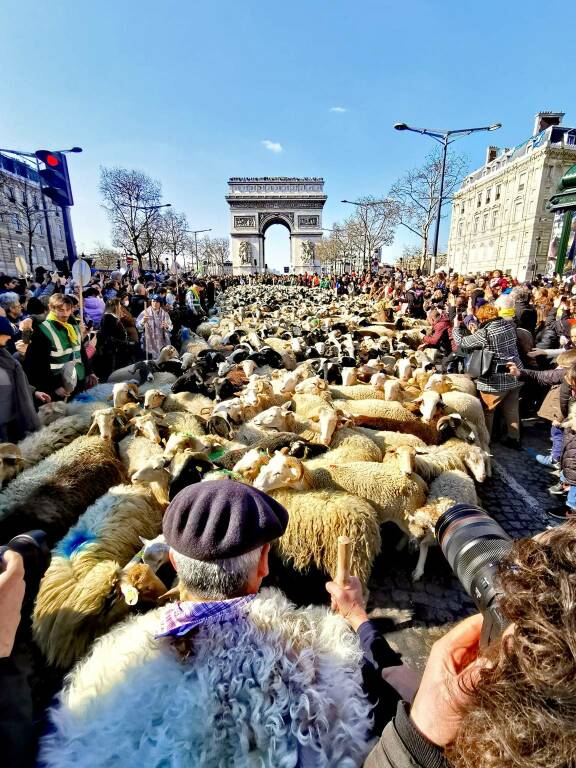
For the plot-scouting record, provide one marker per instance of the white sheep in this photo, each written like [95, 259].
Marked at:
[390, 489]
[449, 488]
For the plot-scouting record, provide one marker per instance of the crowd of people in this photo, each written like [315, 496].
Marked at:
[512, 705]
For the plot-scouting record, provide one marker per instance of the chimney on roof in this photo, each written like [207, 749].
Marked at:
[546, 119]
[491, 154]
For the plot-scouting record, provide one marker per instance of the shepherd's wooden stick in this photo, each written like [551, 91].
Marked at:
[344, 558]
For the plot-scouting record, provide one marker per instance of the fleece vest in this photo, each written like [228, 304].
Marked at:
[62, 350]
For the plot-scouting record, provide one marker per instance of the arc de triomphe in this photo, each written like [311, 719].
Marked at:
[257, 203]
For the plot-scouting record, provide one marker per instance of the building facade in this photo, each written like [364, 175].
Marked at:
[22, 219]
[258, 203]
[499, 216]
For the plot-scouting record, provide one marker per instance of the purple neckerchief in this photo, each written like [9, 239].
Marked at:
[180, 618]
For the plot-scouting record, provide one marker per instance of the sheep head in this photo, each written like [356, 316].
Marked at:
[327, 419]
[154, 398]
[453, 425]
[107, 422]
[250, 464]
[139, 583]
[10, 461]
[248, 366]
[281, 471]
[278, 417]
[438, 382]
[167, 353]
[178, 442]
[147, 425]
[154, 552]
[124, 392]
[404, 455]
[404, 368]
[51, 412]
[349, 376]
[429, 402]
[312, 386]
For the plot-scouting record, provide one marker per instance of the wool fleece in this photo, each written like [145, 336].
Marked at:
[279, 688]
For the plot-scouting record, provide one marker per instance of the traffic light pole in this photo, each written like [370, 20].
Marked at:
[70, 244]
[46, 219]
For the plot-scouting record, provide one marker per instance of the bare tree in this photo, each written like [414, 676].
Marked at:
[370, 227]
[105, 257]
[338, 250]
[213, 252]
[416, 194]
[174, 234]
[128, 195]
[22, 206]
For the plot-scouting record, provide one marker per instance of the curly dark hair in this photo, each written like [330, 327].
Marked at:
[522, 711]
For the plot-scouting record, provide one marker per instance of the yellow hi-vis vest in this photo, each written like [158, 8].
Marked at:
[62, 350]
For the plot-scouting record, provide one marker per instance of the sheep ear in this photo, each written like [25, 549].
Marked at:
[94, 428]
[144, 541]
[284, 451]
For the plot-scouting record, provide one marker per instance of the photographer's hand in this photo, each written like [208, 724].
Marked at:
[12, 589]
[452, 667]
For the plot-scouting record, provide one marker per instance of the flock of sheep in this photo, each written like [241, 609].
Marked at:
[343, 421]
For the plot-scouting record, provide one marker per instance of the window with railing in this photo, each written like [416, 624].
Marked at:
[488, 194]
[479, 200]
[497, 192]
[16, 222]
[484, 222]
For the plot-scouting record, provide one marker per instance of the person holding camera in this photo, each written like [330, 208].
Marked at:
[497, 388]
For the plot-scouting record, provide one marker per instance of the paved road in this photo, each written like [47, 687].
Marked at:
[416, 614]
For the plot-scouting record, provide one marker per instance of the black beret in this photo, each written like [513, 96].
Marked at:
[220, 519]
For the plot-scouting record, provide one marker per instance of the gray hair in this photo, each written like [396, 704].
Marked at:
[219, 579]
[9, 298]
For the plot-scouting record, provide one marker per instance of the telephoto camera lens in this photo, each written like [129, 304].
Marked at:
[474, 545]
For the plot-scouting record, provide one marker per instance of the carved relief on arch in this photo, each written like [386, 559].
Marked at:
[245, 252]
[264, 218]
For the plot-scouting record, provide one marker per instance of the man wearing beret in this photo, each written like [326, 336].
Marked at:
[228, 676]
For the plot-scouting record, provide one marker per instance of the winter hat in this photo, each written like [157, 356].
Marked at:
[5, 327]
[219, 519]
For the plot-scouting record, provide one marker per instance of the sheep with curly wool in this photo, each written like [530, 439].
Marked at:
[52, 494]
[447, 489]
[356, 392]
[316, 519]
[474, 458]
[136, 450]
[79, 597]
[386, 439]
[349, 444]
[392, 489]
[389, 416]
[38, 445]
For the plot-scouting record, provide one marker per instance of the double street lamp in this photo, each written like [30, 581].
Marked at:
[445, 138]
[197, 232]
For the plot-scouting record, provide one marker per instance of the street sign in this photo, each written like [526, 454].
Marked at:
[81, 272]
[20, 265]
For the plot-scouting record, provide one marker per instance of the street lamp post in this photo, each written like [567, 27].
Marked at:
[196, 232]
[65, 213]
[445, 138]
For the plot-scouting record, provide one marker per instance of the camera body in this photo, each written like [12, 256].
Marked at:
[474, 545]
[35, 552]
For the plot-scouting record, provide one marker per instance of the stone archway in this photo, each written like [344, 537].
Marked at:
[257, 203]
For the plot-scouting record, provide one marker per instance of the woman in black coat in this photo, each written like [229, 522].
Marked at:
[114, 349]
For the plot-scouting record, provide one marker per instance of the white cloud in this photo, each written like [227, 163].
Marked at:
[338, 109]
[273, 146]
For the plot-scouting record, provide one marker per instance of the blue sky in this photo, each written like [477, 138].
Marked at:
[188, 91]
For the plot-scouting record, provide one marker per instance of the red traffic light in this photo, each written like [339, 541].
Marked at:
[52, 160]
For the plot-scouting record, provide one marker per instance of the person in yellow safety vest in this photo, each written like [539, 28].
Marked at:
[56, 342]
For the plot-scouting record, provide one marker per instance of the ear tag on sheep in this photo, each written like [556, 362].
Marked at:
[130, 594]
[216, 454]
